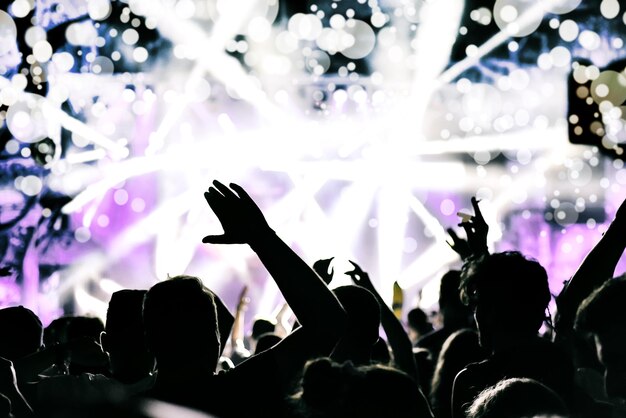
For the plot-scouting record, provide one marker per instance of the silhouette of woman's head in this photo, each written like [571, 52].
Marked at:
[517, 398]
[508, 292]
[603, 314]
[333, 390]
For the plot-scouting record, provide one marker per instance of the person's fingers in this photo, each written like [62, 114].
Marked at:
[224, 190]
[216, 239]
[453, 235]
[216, 202]
[241, 192]
[214, 192]
[477, 211]
[468, 227]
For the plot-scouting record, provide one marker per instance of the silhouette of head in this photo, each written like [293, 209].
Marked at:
[262, 326]
[180, 320]
[418, 322]
[84, 326]
[363, 323]
[21, 332]
[603, 314]
[516, 398]
[460, 349]
[509, 294]
[124, 337]
[453, 312]
[266, 341]
[331, 389]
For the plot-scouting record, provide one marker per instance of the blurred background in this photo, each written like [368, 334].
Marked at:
[361, 128]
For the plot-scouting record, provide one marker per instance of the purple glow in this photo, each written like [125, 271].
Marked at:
[353, 149]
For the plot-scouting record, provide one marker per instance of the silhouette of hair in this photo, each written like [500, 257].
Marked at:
[516, 398]
[418, 320]
[460, 349]
[604, 308]
[363, 314]
[180, 321]
[453, 311]
[514, 286]
[449, 289]
[262, 326]
[266, 341]
[124, 314]
[84, 326]
[56, 331]
[333, 390]
[21, 331]
[125, 339]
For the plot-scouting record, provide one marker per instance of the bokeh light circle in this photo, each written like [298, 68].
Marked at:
[99, 9]
[560, 6]
[517, 17]
[364, 39]
[609, 86]
[26, 121]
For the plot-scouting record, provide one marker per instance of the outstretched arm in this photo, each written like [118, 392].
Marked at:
[596, 268]
[398, 339]
[315, 306]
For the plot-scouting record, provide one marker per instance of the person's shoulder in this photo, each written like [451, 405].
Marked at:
[479, 366]
[259, 366]
[433, 338]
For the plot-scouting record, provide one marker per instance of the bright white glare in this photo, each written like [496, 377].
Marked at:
[366, 155]
[110, 286]
[90, 305]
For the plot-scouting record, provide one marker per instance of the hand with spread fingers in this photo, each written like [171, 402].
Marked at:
[242, 220]
[321, 268]
[459, 245]
[360, 277]
[476, 230]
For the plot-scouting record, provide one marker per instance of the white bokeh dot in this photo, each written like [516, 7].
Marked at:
[120, 197]
[138, 205]
[82, 234]
[103, 220]
[447, 207]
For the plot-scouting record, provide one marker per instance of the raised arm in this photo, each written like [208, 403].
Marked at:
[237, 337]
[398, 339]
[315, 306]
[596, 268]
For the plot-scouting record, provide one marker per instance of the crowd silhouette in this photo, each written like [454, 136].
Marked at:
[175, 350]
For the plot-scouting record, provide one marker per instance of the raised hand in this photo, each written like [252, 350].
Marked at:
[476, 230]
[359, 277]
[242, 220]
[321, 268]
[458, 244]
